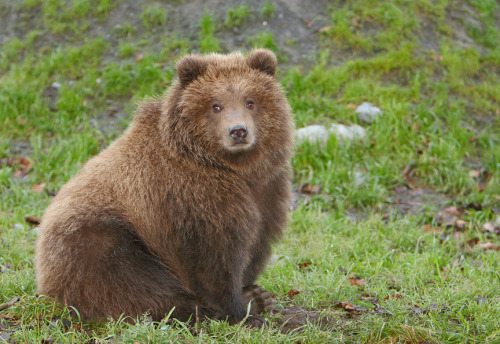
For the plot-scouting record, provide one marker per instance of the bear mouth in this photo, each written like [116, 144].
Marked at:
[240, 146]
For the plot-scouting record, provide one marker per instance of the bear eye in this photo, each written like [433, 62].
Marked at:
[250, 104]
[216, 107]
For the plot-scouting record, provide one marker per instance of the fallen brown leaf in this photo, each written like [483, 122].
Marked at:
[33, 220]
[139, 57]
[292, 293]
[489, 246]
[490, 227]
[460, 225]
[448, 216]
[473, 241]
[393, 296]
[325, 29]
[429, 228]
[303, 265]
[310, 189]
[38, 188]
[356, 280]
[408, 173]
[475, 173]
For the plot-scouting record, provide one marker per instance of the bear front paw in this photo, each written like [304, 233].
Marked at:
[262, 301]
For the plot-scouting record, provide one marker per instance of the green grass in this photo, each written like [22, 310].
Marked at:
[237, 15]
[153, 17]
[440, 116]
[206, 34]
[267, 10]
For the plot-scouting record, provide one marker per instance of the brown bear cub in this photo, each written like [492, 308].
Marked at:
[181, 210]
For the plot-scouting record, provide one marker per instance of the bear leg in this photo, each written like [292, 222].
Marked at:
[104, 269]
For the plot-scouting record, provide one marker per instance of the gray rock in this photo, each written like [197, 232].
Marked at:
[368, 113]
[319, 133]
[312, 134]
[348, 132]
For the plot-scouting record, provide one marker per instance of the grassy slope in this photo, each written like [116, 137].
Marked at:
[440, 115]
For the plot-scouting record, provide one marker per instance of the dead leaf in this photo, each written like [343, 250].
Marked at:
[325, 29]
[139, 57]
[429, 228]
[24, 165]
[447, 216]
[490, 227]
[356, 280]
[475, 174]
[408, 173]
[393, 296]
[416, 309]
[9, 304]
[292, 293]
[382, 311]
[33, 220]
[351, 106]
[38, 188]
[352, 310]
[310, 189]
[473, 241]
[489, 246]
[304, 264]
[460, 225]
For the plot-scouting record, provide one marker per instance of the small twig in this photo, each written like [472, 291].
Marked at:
[9, 304]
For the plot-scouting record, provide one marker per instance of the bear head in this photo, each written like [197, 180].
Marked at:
[228, 107]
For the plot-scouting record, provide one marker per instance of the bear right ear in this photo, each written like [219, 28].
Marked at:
[189, 68]
[263, 60]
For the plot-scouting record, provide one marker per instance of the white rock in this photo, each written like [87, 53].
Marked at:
[345, 132]
[312, 133]
[56, 85]
[367, 112]
[319, 133]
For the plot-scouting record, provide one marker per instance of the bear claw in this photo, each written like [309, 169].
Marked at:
[262, 301]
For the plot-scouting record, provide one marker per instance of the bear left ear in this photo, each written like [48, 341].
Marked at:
[189, 68]
[263, 60]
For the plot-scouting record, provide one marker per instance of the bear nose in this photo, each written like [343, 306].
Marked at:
[238, 132]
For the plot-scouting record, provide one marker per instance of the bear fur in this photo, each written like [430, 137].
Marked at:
[182, 209]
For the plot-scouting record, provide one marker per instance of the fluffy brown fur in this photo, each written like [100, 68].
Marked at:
[177, 213]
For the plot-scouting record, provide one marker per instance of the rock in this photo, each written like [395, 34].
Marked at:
[368, 113]
[312, 134]
[56, 85]
[319, 133]
[345, 132]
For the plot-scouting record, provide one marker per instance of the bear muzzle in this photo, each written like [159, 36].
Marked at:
[238, 133]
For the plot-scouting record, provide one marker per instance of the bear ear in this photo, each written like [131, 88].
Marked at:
[263, 60]
[189, 68]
